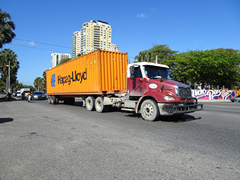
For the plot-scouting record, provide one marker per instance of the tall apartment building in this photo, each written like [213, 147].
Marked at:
[76, 43]
[57, 57]
[93, 35]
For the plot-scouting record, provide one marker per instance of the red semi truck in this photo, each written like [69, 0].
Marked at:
[104, 79]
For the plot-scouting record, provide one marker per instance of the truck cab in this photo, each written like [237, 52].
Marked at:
[154, 93]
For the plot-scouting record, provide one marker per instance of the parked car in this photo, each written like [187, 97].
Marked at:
[39, 95]
[18, 94]
[237, 99]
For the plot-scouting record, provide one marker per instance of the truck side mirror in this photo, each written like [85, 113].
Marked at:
[131, 72]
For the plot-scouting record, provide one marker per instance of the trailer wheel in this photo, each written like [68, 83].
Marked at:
[57, 100]
[99, 105]
[53, 100]
[90, 101]
[149, 110]
[49, 99]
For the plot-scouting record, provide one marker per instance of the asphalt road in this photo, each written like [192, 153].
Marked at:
[43, 141]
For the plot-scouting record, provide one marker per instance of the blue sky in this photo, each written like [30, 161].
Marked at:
[136, 25]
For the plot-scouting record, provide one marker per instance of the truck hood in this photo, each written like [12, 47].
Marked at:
[171, 82]
[166, 82]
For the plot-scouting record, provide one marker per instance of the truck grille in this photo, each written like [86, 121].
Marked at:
[184, 92]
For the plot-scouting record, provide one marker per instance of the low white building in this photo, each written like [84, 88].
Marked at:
[57, 57]
[114, 47]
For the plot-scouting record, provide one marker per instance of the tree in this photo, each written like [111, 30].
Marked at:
[2, 86]
[64, 60]
[79, 54]
[16, 86]
[7, 55]
[44, 81]
[217, 67]
[141, 57]
[38, 82]
[161, 51]
[6, 27]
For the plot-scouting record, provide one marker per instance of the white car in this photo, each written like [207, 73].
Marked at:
[18, 94]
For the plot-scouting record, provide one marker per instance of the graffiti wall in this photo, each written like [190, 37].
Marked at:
[214, 94]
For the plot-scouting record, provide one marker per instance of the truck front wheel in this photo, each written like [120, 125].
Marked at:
[149, 110]
[90, 101]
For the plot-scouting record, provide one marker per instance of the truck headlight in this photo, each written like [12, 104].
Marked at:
[169, 98]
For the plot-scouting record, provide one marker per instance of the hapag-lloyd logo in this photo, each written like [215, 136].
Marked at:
[70, 78]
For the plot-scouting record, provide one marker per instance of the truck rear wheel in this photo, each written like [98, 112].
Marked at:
[49, 99]
[99, 105]
[149, 110]
[90, 101]
[53, 100]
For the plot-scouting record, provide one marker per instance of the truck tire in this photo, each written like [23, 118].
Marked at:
[49, 99]
[57, 100]
[99, 105]
[53, 100]
[149, 110]
[90, 101]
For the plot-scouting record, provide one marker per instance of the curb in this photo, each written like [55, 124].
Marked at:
[215, 101]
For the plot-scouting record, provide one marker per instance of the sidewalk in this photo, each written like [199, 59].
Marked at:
[216, 101]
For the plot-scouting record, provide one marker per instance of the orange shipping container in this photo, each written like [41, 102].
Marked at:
[98, 72]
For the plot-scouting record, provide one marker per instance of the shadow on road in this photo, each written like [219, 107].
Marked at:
[174, 119]
[5, 120]
[180, 119]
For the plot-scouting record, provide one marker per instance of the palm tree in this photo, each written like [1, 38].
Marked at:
[6, 27]
[7, 55]
[43, 87]
[141, 57]
[38, 83]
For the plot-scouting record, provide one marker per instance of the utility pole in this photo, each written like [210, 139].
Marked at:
[9, 87]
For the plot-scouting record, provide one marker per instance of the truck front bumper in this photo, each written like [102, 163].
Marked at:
[167, 109]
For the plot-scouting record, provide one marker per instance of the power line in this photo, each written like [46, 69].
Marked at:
[42, 43]
[33, 47]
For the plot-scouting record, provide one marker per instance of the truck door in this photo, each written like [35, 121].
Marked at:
[136, 84]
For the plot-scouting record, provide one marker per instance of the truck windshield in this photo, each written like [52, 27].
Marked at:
[154, 72]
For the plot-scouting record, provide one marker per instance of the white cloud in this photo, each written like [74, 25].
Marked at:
[141, 15]
[32, 43]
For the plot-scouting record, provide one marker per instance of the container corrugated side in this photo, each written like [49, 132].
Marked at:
[113, 68]
[97, 72]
